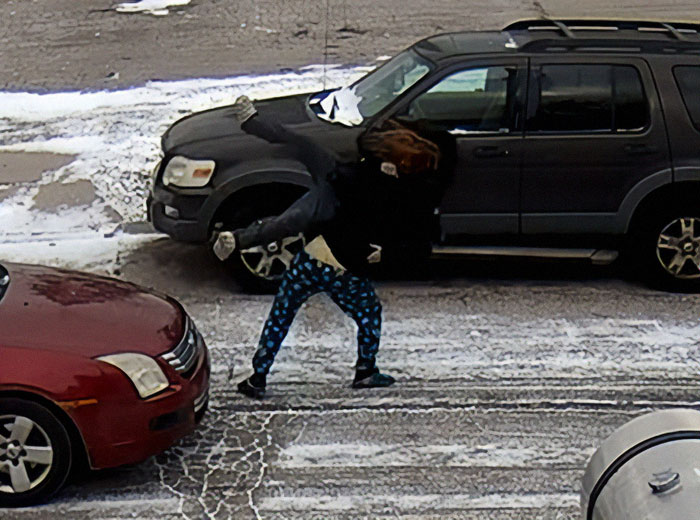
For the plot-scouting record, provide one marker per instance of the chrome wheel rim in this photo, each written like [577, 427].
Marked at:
[678, 248]
[271, 261]
[26, 454]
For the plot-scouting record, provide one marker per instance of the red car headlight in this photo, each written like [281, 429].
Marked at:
[143, 371]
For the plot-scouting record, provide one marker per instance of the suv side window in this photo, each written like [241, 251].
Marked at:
[688, 79]
[469, 101]
[587, 98]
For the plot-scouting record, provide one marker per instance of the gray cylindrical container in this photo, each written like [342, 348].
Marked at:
[649, 469]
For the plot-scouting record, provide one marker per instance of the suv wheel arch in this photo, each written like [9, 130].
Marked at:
[239, 186]
[640, 195]
[670, 193]
[242, 208]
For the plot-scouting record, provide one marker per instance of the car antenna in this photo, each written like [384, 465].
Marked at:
[562, 27]
[325, 46]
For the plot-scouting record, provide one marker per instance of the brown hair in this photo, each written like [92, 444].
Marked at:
[394, 143]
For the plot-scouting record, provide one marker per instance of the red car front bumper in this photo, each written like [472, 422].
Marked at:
[122, 429]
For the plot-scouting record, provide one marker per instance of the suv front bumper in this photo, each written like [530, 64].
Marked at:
[186, 223]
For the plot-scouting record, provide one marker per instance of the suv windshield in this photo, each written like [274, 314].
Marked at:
[4, 281]
[370, 94]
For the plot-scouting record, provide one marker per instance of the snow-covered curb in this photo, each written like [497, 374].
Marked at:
[88, 251]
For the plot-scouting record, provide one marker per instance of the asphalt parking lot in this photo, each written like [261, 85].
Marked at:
[509, 373]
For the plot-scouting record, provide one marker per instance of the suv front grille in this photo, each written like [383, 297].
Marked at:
[184, 356]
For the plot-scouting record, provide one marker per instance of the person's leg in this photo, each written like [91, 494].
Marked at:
[298, 284]
[357, 298]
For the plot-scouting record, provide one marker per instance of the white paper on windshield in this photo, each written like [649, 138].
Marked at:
[342, 106]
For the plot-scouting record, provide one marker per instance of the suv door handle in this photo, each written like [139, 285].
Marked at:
[640, 149]
[491, 151]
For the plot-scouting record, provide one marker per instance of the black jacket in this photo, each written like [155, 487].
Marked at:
[352, 205]
[320, 211]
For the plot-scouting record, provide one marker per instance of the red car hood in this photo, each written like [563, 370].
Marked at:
[84, 314]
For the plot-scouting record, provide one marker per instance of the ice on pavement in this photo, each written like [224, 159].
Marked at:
[154, 7]
[115, 136]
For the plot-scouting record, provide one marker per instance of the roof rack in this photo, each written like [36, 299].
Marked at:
[609, 45]
[569, 27]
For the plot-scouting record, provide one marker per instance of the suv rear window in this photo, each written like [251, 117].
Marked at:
[688, 79]
[588, 98]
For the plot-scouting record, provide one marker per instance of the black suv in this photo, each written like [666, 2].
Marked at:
[575, 139]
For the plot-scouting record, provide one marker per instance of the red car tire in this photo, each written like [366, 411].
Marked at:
[35, 453]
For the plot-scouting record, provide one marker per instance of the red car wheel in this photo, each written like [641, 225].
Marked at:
[35, 453]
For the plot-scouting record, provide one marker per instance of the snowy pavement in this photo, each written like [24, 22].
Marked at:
[508, 375]
[506, 384]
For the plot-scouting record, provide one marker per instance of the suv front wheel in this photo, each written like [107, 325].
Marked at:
[261, 268]
[666, 248]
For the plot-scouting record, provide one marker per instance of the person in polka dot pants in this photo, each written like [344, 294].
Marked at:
[305, 277]
[334, 215]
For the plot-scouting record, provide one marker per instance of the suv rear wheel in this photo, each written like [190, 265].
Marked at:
[666, 248]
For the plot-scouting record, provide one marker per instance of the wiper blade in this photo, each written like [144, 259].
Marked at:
[333, 108]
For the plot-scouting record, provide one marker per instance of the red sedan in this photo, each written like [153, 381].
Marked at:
[91, 369]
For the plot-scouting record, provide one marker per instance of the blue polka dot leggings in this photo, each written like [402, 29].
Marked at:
[306, 277]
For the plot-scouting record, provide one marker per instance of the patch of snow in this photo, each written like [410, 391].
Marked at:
[154, 7]
[115, 136]
[437, 455]
[59, 145]
[20, 220]
[265, 29]
[431, 502]
[84, 251]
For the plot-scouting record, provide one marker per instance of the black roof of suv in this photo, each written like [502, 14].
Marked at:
[558, 36]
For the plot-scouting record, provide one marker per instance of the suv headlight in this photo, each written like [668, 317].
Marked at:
[188, 173]
[143, 371]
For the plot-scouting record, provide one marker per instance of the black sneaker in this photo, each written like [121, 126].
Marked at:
[245, 387]
[372, 379]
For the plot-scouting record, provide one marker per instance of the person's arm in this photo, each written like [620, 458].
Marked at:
[267, 128]
[296, 219]
[317, 159]
[304, 216]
